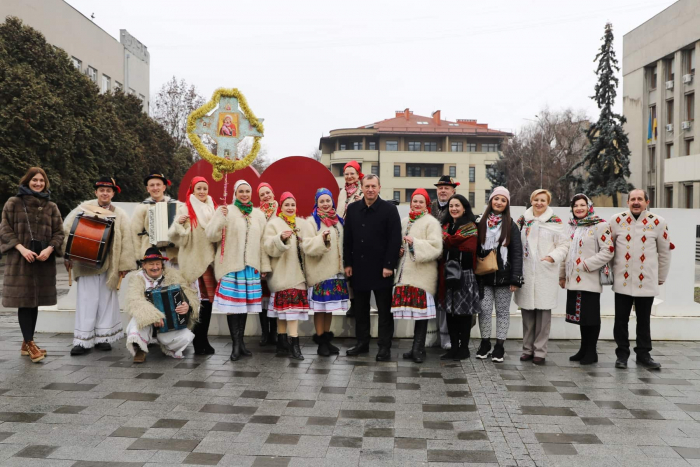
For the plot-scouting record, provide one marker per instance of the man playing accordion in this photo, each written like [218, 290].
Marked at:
[154, 279]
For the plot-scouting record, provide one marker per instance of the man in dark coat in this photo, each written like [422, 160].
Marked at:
[371, 244]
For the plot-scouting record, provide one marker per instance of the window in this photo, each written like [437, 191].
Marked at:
[689, 61]
[118, 86]
[669, 70]
[106, 83]
[456, 147]
[472, 198]
[669, 196]
[669, 151]
[471, 147]
[689, 146]
[375, 170]
[654, 122]
[372, 145]
[397, 196]
[490, 147]
[409, 191]
[652, 78]
[652, 159]
[413, 170]
[432, 147]
[669, 112]
[472, 174]
[432, 171]
[392, 145]
[453, 171]
[486, 197]
[397, 171]
[357, 146]
[414, 145]
[77, 63]
[689, 196]
[92, 74]
[652, 195]
[690, 106]
[343, 147]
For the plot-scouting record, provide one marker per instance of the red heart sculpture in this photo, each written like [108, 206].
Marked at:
[301, 176]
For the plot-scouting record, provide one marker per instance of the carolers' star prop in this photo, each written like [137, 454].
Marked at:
[223, 121]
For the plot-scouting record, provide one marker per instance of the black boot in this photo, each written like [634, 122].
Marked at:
[201, 331]
[265, 327]
[272, 323]
[591, 355]
[582, 350]
[282, 344]
[294, 350]
[323, 349]
[242, 320]
[232, 321]
[454, 339]
[329, 337]
[420, 332]
[465, 327]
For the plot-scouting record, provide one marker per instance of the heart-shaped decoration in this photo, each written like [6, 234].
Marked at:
[301, 176]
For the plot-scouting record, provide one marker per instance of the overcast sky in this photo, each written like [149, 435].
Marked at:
[311, 67]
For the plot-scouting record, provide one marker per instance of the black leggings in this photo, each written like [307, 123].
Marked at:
[27, 322]
[459, 327]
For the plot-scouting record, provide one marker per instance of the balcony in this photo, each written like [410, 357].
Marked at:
[348, 155]
[682, 169]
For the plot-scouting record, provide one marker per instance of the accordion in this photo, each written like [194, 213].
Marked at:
[166, 299]
[160, 218]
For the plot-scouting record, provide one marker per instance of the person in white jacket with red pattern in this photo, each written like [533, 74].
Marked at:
[590, 251]
[642, 261]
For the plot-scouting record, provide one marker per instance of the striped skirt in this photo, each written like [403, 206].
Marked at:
[289, 305]
[239, 292]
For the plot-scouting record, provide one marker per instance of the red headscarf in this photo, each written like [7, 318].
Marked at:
[262, 184]
[421, 191]
[284, 196]
[190, 209]
[355, 165]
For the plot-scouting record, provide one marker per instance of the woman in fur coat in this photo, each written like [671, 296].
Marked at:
[289, 301]
[416, 276]
[591, 249]
[238, 230]
[30, 273]
[328, 289]
[545, 245]
[268, 206]
[196, 254]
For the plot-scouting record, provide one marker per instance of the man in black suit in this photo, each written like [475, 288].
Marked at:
[372, 240]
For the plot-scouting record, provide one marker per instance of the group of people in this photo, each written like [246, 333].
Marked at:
[440, 262]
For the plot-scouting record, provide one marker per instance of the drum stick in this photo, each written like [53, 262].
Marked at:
[119, 284]
[70, 277]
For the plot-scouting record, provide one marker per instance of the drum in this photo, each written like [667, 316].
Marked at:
[166, 299]
[90, 237]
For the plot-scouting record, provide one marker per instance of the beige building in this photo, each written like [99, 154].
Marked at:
[410, 151]
[111, 64]
[658, 68]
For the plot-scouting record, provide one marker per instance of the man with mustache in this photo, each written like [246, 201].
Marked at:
[641, 264]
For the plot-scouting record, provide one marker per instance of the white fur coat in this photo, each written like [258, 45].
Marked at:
[287, 272]
[195, 251]
[121, 254]
[420, 269]
[323, 261]
[541, 237]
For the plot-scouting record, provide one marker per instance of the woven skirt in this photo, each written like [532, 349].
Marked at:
[583, 308]
[239, 292]
[464, 300]
[329, 296]
[289, 305]
[410, 302]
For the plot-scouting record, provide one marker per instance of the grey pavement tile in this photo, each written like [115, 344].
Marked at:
[597, 421]
[264, 461]
[559, 449]
[333, 390]
[549, 411]
[667, 381]
[345, 442]
[19, 417]
[69, 387]
[264, 419]
[321, 421]
[228, 409]
[368, 414]
[169, 423]
[569, 396]
[455, 380]
[202, 458]
[610, 404]
[70, 409]
[645, 392]
[646, 414]
[132, 396]
[382, 399]
[688, 453]
[4, 435]
[248, 394]
[563, 384]
[563, 438]
[149, 376]
[187, 366]
[151, 444]
[301, 404]
[521, 388]
[278, 438]
[461, 456]
[473, 436]
[198, 384]
[38, 451]
[378, 433]
[689, 407]
[106, 464]
[457, 393]
[428, 425]
[128, 432]
[408, 387]
[411, 443]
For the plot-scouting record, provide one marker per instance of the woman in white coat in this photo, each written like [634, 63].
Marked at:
[268, 206]
[545, 245]
[196, 254]
[325, 275]
[591, 250]
[289, 301]
[244, 263]
[417, 273]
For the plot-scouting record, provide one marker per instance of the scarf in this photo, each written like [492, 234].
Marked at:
[24, 190]
[151, 283]
[414, 216]
[150, 200]
[457, 230]
[549, 224]
[588, 221]
[351, 189]
[493, 237]
[268, 208]
[329, 218]
[290, 220]
[200, 213]
[245, 208]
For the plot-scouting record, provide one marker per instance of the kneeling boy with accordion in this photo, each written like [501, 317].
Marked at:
[159, 300]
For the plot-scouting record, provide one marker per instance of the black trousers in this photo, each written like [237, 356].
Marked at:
[386, 319]
[623, 308]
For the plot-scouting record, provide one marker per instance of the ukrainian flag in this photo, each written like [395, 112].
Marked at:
[649, 130]
[656, 131]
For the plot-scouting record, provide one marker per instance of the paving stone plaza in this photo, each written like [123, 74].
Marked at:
[102, 410]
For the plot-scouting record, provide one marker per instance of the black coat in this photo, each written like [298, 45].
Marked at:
[512, 273]
[372, 240]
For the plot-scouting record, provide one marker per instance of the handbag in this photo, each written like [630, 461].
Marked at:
[453, 272]
[486, 265]
[36, 246]
[606, 277]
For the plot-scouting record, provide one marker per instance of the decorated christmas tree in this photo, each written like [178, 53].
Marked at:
[606, 162]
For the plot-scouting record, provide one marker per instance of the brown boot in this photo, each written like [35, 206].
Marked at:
[34, 352]
[25, 352]
[140, 356]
